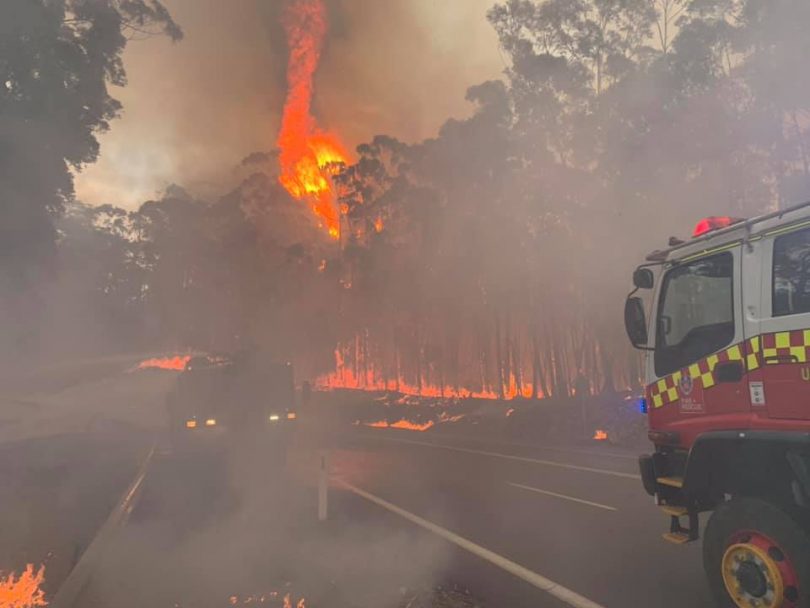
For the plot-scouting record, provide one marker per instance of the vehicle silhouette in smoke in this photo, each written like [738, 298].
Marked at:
[242, 394]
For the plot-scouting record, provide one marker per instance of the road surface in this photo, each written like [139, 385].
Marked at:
[578, 517]
[230, 524]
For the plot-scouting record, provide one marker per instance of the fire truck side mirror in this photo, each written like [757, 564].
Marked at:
[635, 322]
[643, 278]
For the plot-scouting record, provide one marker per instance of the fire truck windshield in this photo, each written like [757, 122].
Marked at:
[695, 312]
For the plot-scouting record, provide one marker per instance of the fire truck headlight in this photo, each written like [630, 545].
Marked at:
[274, 417]
[211, 422]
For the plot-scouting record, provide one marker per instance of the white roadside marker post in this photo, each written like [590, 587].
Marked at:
[323, 485]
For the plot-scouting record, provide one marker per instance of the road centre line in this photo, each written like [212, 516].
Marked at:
[563, 496]
[533, 578]
[550, 463]
[547, 448]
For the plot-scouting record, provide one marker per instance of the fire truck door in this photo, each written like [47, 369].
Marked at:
[784, 327]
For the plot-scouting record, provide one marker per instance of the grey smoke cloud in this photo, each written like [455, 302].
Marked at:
[194, 110]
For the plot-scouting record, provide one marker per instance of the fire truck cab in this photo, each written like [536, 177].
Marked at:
[724, 320]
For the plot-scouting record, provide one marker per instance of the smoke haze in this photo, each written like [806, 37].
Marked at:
[193, 110]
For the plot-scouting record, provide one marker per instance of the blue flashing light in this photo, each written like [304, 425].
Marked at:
[642, 405]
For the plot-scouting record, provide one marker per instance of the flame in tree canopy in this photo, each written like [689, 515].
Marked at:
[308, 156]
[23, 591]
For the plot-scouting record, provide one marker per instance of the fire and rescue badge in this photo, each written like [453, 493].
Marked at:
[688, 404]
[686, 384]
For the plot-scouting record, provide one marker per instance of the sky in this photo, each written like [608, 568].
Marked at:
[193, 110]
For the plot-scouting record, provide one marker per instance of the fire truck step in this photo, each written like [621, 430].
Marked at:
[677, 538]
[674, 482]
[674, 510]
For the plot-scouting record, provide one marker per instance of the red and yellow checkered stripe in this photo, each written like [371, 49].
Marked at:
[750, 352]
[786, 347]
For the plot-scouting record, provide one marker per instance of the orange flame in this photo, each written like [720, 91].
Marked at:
[346, 377]
[401, 424]
[600, 435]
[23, 591]
[308, 156]
[288, 602]
[176, 364]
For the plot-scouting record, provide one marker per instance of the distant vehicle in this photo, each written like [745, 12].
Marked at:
[241, 394]
[728, 397]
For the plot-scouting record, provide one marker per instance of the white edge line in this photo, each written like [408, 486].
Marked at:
[532, 446]
[550, 463]
[533, 578]
[563, 496]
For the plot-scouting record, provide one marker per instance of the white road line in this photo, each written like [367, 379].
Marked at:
[541, 582]
[550, 463]
[563, 496]
[534, 446]
[547, 448]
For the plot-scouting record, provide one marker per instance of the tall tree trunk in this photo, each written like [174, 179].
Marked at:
[498, 359]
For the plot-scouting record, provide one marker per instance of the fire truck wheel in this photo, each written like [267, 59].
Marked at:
[756, 556]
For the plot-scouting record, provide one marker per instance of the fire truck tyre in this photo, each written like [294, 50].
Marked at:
[756, 556]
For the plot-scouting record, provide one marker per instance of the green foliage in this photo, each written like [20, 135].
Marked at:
[57, 58]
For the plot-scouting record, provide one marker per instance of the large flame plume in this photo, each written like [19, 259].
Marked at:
[23, 591]
[308, 156]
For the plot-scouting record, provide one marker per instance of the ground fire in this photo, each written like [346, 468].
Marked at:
[369, 378]
[23, 591]
[401, 424]
[308, 156]
[176, 364]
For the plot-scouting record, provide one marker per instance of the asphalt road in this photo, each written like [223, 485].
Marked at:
[233, 522]
[517, 526]
[576, 516]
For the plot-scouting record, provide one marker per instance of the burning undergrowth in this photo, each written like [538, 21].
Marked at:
[614, 418]
[23, 590]
[176, 363]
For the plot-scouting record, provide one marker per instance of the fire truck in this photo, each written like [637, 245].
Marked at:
[724, 320]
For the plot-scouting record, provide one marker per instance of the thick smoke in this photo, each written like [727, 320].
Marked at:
[193, 110]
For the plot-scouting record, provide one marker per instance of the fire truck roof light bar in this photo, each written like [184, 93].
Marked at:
[662, 255]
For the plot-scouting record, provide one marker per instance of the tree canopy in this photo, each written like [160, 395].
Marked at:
[492, 258]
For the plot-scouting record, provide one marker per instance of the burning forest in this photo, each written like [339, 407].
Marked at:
[308, 156]
[482, 262]
[380, 250]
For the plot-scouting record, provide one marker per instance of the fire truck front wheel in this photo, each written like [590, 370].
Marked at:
[756, 556]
